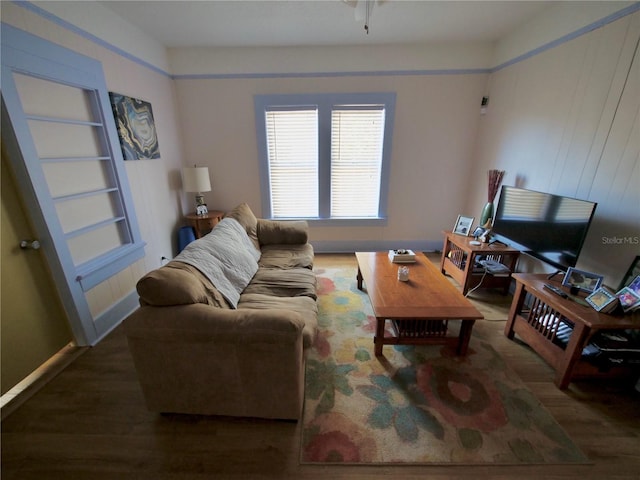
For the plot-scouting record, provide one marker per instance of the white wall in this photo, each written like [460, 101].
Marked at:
[439, 89]
[435, 128]
[309, 60]
[566, 121]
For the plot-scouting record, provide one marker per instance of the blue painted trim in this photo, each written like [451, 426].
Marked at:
[112, 317]
[98, 270]
[89, 36]
[350, 246]
[570, 36]
[373, 73]
[347, 222]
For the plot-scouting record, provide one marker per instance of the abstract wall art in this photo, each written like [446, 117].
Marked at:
[136, 128]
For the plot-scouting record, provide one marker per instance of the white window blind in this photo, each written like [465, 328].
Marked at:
[292, 146]
[357, 135]
[325, 157]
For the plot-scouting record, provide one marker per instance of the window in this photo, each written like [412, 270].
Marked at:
[356, 161]
[325, 157]
[292, 144]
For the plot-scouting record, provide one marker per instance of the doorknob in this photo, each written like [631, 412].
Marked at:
[32, 244]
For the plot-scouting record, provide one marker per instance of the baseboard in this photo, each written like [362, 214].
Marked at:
[31, 384]
[350, 246]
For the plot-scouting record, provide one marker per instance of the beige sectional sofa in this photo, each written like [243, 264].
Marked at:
[223, 328]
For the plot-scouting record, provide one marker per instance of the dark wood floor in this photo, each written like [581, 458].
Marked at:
[90, 423]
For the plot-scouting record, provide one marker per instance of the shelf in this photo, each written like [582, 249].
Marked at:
[458, 254]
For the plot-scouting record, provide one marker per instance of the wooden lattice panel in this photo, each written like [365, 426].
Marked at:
[420, 328]
[545, 319]
[457, 256]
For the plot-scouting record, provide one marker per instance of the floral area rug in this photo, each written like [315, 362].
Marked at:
[417, 405]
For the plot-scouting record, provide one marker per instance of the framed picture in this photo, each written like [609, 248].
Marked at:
[635, 284]
[582, 280]
[463, 225]
[632, 273]
[629, 299]
[602, 300]
[478, 231]
[136, 128]
[202, 209]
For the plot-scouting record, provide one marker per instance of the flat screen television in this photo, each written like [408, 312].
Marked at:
[549, 227]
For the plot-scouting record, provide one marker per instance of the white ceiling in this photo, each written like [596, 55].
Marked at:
[323, 22]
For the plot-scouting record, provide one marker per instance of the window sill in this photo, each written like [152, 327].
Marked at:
[342, 222]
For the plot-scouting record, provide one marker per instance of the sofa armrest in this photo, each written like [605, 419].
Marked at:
[198, 359]
[281, 232]
[203, 323]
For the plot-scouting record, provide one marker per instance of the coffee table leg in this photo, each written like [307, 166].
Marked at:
[465, 336]
[379, 338]
[359, 279]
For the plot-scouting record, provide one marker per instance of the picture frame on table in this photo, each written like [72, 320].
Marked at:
[632, 274]
[629, 296]
[202, 209]
[582, 280]
[635, 284]
[629, 299]
[463, 225]
[478, 231]
[602, 300]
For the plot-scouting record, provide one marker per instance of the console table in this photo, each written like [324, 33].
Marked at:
[535, 315]
[459, 261]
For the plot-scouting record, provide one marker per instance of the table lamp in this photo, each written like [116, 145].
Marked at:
[196, 180]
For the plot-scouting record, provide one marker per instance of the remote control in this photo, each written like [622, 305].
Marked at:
[555, 290]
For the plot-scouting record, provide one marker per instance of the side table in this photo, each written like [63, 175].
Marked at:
[203, 224]
[459, 261]
[536, 315]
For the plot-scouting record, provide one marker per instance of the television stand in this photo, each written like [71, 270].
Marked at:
[539, 316]
[460, 260]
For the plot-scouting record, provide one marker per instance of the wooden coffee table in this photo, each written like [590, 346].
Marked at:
[419, 309]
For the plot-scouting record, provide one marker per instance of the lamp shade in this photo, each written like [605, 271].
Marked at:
[196, 179]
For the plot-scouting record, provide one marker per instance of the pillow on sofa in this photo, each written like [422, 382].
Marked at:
[290, 232]
[178, 284]
[245, 217]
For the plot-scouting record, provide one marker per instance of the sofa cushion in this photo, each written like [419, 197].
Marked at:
[178, 284]
[274, 232]
[287, 256]
[294, 282]
[245, 217]
[305, 306]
